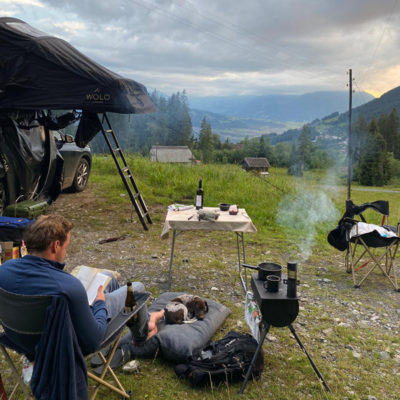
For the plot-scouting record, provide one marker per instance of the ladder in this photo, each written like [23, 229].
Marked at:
[125, 173]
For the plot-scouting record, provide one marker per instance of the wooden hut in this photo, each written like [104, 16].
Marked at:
[258, 164]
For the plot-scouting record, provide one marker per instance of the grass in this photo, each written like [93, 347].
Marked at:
[292, 216]
[285, 209]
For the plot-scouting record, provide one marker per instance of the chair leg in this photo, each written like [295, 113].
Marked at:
[100, 379]
[385, 262]
[20, 383]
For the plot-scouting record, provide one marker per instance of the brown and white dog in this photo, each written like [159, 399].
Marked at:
[185, 309]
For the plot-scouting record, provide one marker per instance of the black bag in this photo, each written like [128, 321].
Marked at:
[12, 229]
[226, 360]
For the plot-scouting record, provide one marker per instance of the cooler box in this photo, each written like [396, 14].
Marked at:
[26, 209]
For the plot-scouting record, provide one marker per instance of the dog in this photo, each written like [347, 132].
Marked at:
[185, 309]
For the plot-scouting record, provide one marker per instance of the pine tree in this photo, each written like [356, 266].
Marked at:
[295, 168]
[359, 134]
[205, 144]
[304, 148]
[393, 128]
[373, 158]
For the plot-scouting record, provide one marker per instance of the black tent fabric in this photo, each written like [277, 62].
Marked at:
[39, 71]
[31, 163]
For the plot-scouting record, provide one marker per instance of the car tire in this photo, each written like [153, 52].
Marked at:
[81, 176]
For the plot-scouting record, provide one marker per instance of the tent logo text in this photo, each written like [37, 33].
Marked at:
[97, 96]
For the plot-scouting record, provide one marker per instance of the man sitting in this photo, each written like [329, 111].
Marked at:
[41, 273]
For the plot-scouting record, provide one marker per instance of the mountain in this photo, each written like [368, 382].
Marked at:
[237, 128]
[283, 108]
[241, 116]
[334, 127]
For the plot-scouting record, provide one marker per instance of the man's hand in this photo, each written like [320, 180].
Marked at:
[100, 294]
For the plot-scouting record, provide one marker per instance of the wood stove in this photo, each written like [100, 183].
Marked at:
[276, 310]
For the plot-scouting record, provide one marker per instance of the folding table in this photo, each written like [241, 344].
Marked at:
[187, 220]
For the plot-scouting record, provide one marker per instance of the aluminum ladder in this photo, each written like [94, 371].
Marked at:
[125, 173]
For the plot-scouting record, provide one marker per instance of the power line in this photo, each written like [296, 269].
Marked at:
[380, 40]
[268, 55]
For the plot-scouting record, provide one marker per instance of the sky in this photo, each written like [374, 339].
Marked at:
[230, 47]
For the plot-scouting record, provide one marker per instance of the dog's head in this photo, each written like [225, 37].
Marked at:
[197, 307]
[175, 313]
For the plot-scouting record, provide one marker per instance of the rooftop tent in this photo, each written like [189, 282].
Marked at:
[39, 71]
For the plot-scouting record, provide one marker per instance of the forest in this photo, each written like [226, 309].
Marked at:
[375, 144]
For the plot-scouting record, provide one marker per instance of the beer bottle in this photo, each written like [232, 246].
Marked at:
[130, 302]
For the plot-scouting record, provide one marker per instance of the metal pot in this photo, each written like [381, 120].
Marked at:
[266, 268]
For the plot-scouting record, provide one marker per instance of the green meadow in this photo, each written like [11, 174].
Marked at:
[351, 334]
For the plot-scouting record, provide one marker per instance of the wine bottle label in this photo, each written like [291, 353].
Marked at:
[199, 201]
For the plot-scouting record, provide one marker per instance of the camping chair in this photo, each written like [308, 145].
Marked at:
[22, 314]
[368, 246]
[113, 335]
[26, 314]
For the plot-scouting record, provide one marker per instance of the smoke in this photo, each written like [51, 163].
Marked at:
[304, 214]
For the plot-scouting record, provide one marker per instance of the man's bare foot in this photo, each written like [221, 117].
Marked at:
[154, 318]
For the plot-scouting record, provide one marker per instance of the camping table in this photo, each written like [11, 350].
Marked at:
[186, 220]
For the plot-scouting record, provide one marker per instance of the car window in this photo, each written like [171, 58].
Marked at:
[57, 136]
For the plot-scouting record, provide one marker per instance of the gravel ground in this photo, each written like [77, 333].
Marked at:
[341, 327]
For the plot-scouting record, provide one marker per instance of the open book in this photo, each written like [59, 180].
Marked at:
[91, 279]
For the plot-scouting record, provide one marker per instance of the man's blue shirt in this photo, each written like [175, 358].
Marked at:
[33, 275]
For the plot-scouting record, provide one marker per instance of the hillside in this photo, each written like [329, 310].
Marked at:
[336, 125]
[237, 128]
[283, 108]
[240, 116]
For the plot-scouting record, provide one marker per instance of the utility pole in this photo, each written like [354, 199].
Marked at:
[349, 138]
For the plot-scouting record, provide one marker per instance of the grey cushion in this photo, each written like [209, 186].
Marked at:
[177, 342]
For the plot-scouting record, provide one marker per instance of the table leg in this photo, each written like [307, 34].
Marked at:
[309, 358]
[260, 343]
[171, 258]
[243, 281]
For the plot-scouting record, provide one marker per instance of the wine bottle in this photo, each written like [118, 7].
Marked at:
[199, 196]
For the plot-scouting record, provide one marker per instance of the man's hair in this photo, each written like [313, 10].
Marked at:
[45, 230]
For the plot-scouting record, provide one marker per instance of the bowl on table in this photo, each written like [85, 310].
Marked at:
[224, 206]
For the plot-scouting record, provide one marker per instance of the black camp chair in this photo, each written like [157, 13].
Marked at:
[27, 315]
[364, 252]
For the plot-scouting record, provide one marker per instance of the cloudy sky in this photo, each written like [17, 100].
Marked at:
[230, 47]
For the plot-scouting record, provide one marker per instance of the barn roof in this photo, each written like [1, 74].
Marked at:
[171, 154]
[256, 162]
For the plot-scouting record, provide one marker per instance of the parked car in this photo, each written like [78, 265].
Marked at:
[38, 160]
[77, 162]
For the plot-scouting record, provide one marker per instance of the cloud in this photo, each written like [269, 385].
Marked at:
[12, 3]
[225, 47]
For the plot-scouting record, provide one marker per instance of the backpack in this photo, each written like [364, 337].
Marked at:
[226, 360]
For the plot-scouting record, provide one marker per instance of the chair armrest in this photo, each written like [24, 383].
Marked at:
[117, 324]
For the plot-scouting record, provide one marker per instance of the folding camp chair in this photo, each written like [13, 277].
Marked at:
[26, 315]
[22, 314]
[115, 329]
[368, 246]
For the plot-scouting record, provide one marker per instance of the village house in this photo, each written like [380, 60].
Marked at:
[171, 154]
[257, 164]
